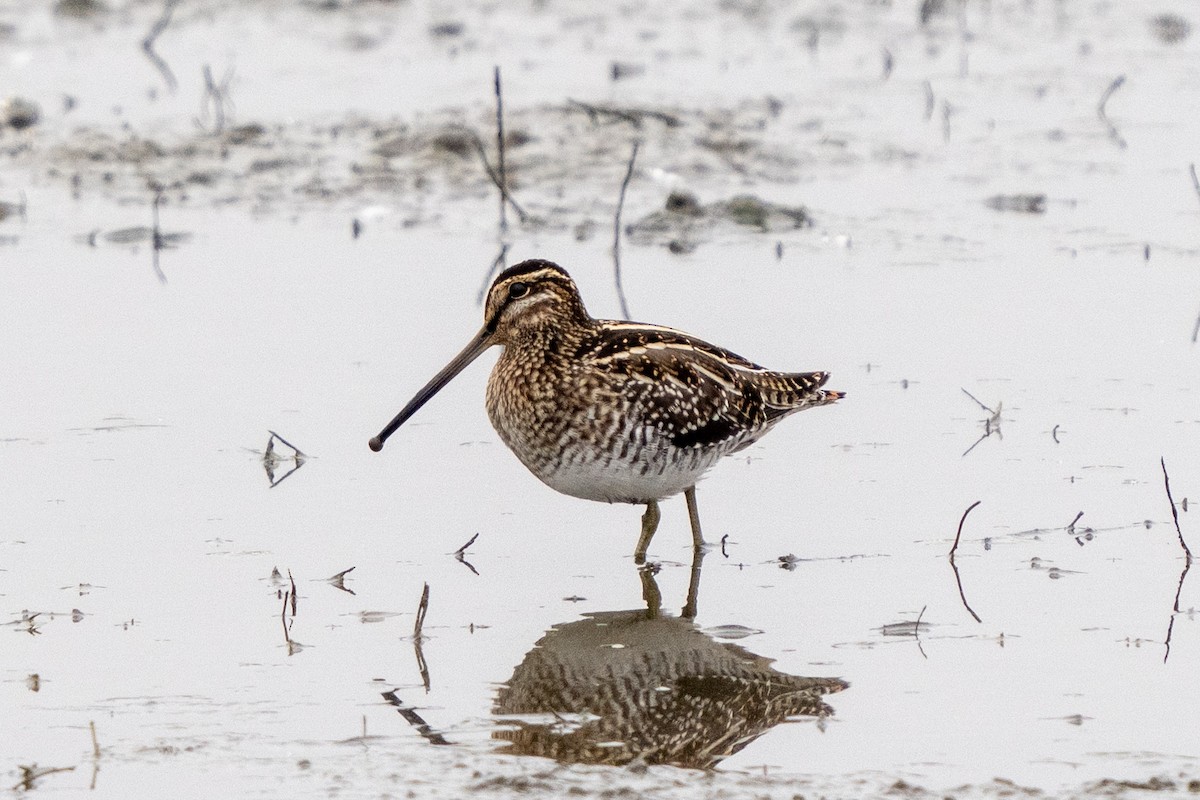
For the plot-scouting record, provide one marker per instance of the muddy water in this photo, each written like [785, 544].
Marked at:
[145, 554]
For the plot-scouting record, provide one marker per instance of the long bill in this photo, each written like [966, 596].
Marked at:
[480, 342]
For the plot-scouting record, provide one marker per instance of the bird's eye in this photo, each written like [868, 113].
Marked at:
[518, 289]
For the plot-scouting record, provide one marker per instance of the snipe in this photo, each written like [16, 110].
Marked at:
[620, 412]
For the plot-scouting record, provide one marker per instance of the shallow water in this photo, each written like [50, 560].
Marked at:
[136, 565]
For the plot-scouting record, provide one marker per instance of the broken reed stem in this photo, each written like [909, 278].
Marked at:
[617, 231]
[460, 551]
[293, 582]
[422, 607]
[1174, 512]
[283, 618]
[958, 535]
[95, 741]
[1100, 112]
[275, 435]
[500, 146]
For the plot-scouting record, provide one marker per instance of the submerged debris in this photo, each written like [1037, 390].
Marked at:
[19, 113]
[1170, 28]
[684, 222]
[1021, 203]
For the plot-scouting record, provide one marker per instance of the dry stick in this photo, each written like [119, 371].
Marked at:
[957, 578]
[293, 581]
[1175, 513]
[460, 551]
[500, 146]
[497, 264]
[283, 619]
[495, 179]
[1187, 564]
[414, 719]
[1112, 129]
[917, 632]
[422, 607]
[95, 741]
[289, 444]
[460, 554]
[32, 773]
[617, 231]
[156, 29]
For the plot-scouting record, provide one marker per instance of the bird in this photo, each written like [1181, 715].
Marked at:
[614, 411]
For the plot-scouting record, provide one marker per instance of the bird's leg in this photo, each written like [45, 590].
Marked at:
[694, 517]
[693, 595]
[649, 526]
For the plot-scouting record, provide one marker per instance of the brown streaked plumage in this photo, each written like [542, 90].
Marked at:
[621, 412]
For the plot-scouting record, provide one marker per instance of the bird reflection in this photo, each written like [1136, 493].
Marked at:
[621, 686]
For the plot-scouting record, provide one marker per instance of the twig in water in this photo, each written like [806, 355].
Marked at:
[460, 554]
[958, 578]
[271, 459]
[1174, 513]
[294, 593]
[31, 773]
[958, 535]
[156, 29]
[1100, 112]
[413, 718]
[500, 147]
[283, 619]
[495, 179]
[1196, 330]
[422, 607]
[617, 231]
[339, 580]
[95, 741]
[917, 632]
[1195, 179]
[463, 549]
[930, 101]
[990, 425]
[947, 110]
[1071, 526]
[1187, 564]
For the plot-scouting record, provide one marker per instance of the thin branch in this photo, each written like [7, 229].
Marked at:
[958, 535]
[497, 265]
[917, 632]
[1174, 513]
[495, 179]
[460, 554]
[156, 29]
[633, 116]
[500, 145]
[422, 607]
[1100, 112]
[958, 578]
[617, 231]
[460, 551]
